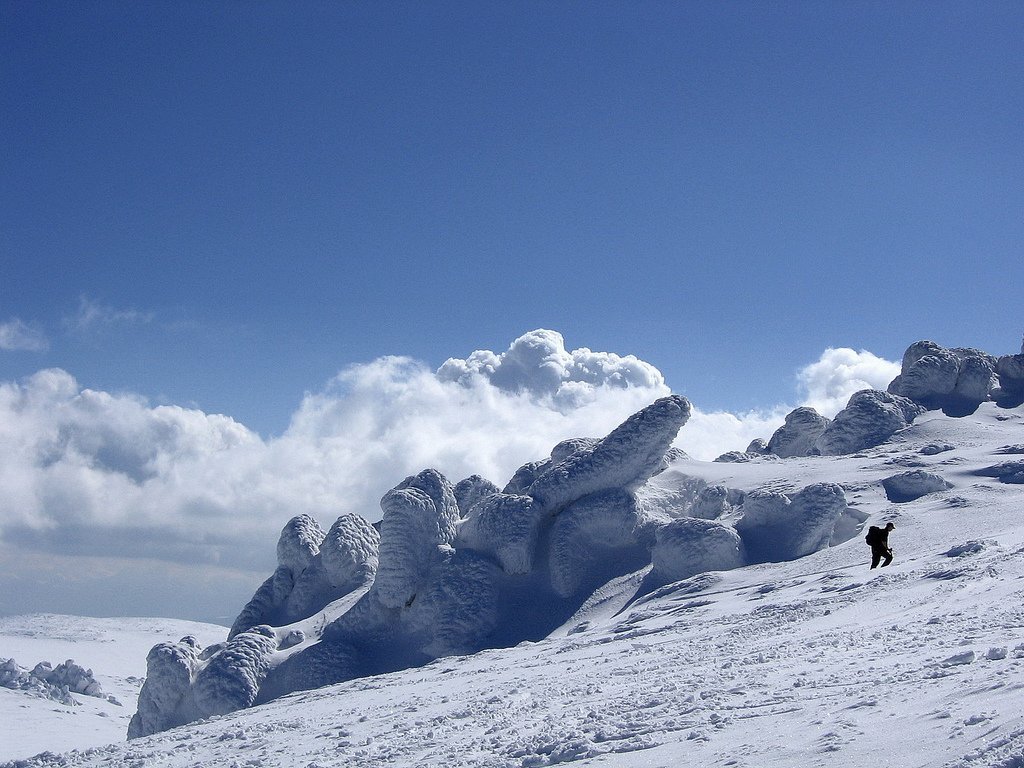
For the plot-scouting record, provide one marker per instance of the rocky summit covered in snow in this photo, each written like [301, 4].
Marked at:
[454, 568]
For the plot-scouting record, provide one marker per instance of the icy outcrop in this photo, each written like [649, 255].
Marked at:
[955, 380]
[715, 502]
[1007, 472]
[739, 457]
[796, 437]
[420, 515]
[757, 445]
[231, 680]
[52, 683]
[469, 492]
[505, 526]
[626, 458]
[908, 486]
[870, 418]
[595, 531]
[1010, 373]
[688, 546]
[777, 527]
[313, 569]
[348, 553]
[459, 611]
[169, 671]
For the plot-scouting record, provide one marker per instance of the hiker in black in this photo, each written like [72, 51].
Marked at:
[878, 539]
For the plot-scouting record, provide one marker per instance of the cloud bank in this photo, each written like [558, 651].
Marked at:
[100, 475]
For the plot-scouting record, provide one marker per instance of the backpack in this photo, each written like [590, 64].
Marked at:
[874, 535]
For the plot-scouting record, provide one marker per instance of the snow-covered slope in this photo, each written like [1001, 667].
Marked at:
[813, 661]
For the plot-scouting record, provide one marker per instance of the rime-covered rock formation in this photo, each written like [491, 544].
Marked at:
[472, 490]
[757, 445]
[908, 486]
[777, 526]
[57, 683]
[506, 527]
[955, 380]
[626, 458]
[1010, 372]
[797, 436]
[689, 545]
[313, 569]
[870, 418]
[454, 569]
[170, 668]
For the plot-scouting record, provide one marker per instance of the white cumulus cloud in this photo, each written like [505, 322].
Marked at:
[17, 335]
[827, 383]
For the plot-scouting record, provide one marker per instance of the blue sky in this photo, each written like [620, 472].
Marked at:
[246, 208]
[253, 195]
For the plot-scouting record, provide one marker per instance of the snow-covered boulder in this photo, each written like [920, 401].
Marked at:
[1011, 472]
[955, 380]
[796, 437]
[626, 458]
[907, 486]
[757, 445]
[420, 515]
[506, 527]
[348, 552]
[469, 492]
[324, 663]
[870, 418]
[169, 671]
[777, 527]
[599, 535]
[688, 546]
[231, 679]
[1010, 372]
[714, 502]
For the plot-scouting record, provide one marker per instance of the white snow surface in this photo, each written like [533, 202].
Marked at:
[804, 662]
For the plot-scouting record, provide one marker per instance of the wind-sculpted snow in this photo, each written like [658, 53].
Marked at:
[505, 526]
[469, 492]
[777, 527]
[595, 531]
[796, 437]
[688, 546]
[349, 552]
[955, 380]
[626, 458]
[908, 486]
[313, 569]
[1010, 371]
[420, 515]
[231, 680]
[459, 611]
[869, 419]
[169, 671]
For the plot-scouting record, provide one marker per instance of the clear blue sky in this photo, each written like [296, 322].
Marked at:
[222, 204]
